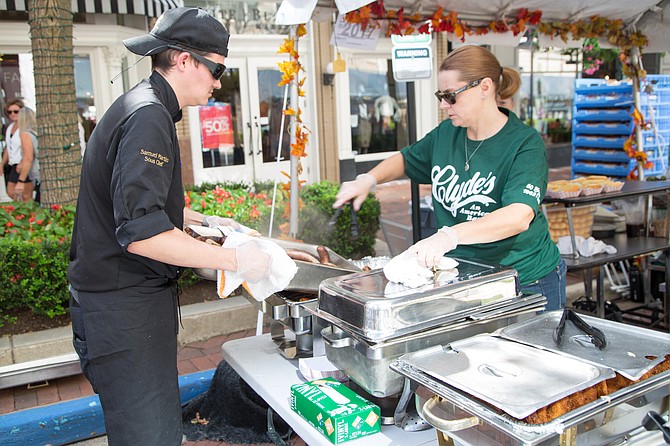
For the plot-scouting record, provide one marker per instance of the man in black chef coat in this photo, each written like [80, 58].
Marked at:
[128, 246]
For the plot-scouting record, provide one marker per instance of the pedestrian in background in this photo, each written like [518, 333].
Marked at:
[10, 130]
[488, 173]
[22, 157]
[128, 248]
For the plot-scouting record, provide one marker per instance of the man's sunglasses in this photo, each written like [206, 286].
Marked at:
[216, 69]
[450, 96]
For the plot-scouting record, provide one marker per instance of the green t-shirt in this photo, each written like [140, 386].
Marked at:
[510, 167]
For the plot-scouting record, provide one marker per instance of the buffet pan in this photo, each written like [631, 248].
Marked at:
[371, 307]
[487, 384]
[309, 275]
[367, 364]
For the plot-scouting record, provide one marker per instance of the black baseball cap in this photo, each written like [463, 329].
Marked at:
[192, 28]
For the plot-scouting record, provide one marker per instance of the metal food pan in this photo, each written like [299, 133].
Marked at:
[606, 417]
[493, 369]
[630, 350]
[309, 275]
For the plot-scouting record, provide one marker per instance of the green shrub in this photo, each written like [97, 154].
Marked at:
[313, 228]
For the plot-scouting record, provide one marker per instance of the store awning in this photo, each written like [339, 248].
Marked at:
[150, 8]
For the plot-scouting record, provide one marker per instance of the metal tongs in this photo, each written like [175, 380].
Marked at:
[596, 335]
[353, 221]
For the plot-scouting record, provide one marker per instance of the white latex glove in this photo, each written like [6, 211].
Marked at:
[430, 251]
[357, 190]
[253, 263]
[214, 221]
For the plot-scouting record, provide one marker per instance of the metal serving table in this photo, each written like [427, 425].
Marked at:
[271, 375]
[626, 247]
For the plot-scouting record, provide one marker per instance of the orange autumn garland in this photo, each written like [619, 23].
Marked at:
[291, 70]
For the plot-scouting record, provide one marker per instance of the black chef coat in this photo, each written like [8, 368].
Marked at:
[131, 189]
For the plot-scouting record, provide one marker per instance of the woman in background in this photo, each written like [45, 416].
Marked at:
[22, 157]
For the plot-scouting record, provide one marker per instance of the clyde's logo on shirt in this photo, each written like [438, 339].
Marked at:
[154, 158]
[455, 195]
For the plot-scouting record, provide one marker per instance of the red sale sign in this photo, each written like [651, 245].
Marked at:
[216, 124]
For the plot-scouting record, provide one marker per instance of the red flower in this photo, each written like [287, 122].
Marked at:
[31, 219]
[55, 207]
[9, 224]
[40, 222]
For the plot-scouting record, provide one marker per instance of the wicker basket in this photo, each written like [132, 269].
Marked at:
[582, 220]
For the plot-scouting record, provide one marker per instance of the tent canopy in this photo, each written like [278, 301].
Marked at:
[651, 17]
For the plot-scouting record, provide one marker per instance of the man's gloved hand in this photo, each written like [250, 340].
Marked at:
[213, 221]
[253, 263]
[357, 190]
[430, 251]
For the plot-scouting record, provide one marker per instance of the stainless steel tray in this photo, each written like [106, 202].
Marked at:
[361, 302]
[309, 275]
[627, 346]
[624, 401]
[516, 378]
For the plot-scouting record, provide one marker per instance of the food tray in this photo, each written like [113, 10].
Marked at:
[516, 378]
[309, 275]
[627, 346]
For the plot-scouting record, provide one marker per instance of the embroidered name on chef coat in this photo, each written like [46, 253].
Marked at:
[154, 158]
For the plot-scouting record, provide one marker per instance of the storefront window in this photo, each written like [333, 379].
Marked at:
[547, 89]
[84, 92]
[378, 106]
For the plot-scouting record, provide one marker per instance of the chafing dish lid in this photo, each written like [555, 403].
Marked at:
[628, 349]
[516, 378]
[374, 308]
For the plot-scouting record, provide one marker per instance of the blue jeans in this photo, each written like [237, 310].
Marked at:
[552, 286]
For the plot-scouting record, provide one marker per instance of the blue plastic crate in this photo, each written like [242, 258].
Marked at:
[608, 169]
[605, 155]
[603, 114]
[606, 100]
[657, 96]
[659, 110]
[603, 127]
[658, 80]
[598, 86]
[601, 142]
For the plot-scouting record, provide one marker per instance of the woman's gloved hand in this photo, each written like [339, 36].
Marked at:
[253, 263]
[357, 190]
[430, 251]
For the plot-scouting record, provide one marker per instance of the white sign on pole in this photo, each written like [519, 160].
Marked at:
[351, 35]
[412, 63]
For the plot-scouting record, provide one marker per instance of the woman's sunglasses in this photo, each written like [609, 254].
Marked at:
[13, 112]
[450, 96]
[216, 69]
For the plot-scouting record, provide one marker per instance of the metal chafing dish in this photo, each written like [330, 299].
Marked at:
[478, 390]
[373, 322]
[290, 309]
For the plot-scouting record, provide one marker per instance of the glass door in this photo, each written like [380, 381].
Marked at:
[245, 118]
[270, 149]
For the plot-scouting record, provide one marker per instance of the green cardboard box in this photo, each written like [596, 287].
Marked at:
[335, 410]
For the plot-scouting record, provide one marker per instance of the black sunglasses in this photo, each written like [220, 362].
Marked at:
[216, 69]
[450, 96]
[12, 112]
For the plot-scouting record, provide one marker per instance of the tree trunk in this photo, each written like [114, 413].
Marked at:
[56, 107]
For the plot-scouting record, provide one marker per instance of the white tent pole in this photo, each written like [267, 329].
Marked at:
[279, 146]
[293, 217]
[639, 141]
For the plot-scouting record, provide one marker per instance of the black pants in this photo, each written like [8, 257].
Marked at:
[127, 343]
